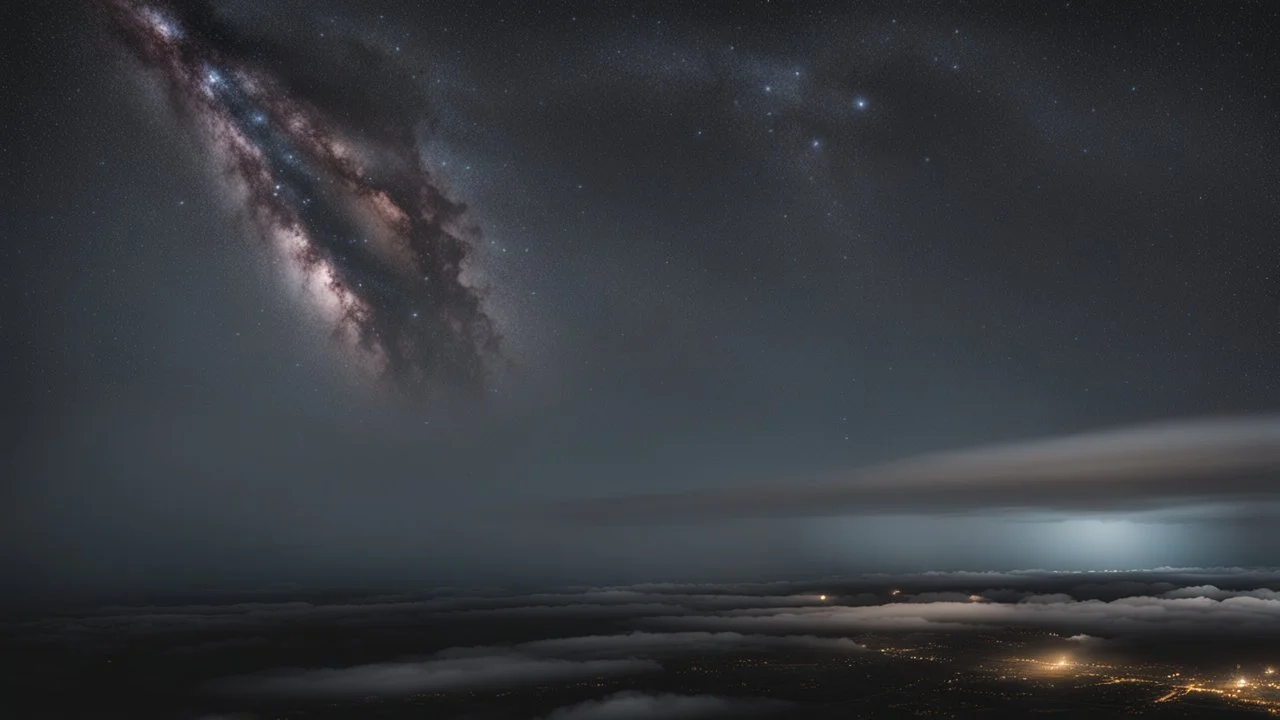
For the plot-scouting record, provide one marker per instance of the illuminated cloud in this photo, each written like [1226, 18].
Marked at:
[1141, 615]
[1145, 467]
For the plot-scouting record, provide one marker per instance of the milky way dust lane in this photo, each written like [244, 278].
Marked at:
[363, 228]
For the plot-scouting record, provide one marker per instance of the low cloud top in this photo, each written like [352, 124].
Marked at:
[444, 674]
[641, 706]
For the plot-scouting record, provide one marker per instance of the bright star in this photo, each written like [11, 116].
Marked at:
[860, 103]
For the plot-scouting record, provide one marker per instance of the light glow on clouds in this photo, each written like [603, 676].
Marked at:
[1091, 608]
[1241, 614]
[1109, 541]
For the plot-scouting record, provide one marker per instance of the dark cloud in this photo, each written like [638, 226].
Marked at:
[642, 706]
[445, 674]
[411, 608]
[417, 642]
[930, 597]
[1118, 589]
[658, 600]
[1142, 467]
[649, 643]
[730, 617]
[575, 610]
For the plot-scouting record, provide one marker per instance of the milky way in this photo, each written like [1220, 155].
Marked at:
[332, 180]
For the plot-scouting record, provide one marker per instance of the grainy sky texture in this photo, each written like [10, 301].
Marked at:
[334, 291]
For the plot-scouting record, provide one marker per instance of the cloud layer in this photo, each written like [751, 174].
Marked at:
[439, 675]
[1242, 613]
[609, 641]
[1143, 467]
[640, 706]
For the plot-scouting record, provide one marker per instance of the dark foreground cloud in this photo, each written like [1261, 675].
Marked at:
[649, 644]
[542, 661]
[799, 614]
[641, 706]
[621, 604]
[1144, 467]
[438, 675]
[608, 638]
[858, 637]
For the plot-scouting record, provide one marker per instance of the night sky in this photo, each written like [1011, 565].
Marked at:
[336, 292]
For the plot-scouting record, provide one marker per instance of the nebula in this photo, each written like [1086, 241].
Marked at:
[331, 178]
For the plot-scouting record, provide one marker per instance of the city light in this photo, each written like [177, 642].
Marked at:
[1173, 684]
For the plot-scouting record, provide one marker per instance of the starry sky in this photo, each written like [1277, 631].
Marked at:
[340, 292]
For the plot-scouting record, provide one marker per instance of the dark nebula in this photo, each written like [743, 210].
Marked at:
[333, 181]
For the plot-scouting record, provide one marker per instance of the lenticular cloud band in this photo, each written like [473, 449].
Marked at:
[1132, 468]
